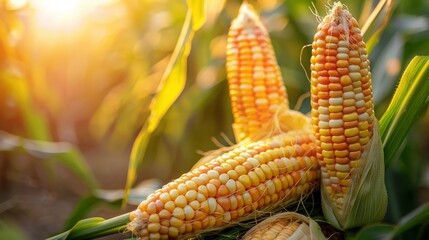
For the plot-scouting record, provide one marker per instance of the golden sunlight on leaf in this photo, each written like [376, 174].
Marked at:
[215, 9]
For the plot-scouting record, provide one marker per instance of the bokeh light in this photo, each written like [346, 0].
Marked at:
[60, 15]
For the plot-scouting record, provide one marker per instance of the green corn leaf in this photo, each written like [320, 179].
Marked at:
[83, 207]
[416, 217]
[63, 152]
[375, 232]
[10, 230]
[92, 228]
[20, 92]
[409, 101]
[111, 198]
[388, 232]
[171, 87]
[377, 22]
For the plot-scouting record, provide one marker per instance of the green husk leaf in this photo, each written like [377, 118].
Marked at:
[366, 201]
[409, 101]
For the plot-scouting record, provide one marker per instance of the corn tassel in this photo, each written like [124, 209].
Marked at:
[231, 188]
[348, 144]
[255, 83]
[288, 225]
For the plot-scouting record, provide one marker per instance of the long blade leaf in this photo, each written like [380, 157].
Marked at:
[409, 100]
[92, 228]
[197, 8]
[382, 12]
[171, 87]
[386, 231]
[63, 152]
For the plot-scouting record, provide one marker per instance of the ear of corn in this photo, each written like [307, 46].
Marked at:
[255, 83]
[288, 225]
[349, 149]
[257, 93]
[231, 188]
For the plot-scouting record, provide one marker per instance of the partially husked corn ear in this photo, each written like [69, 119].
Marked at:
[343, 120]
[342, 108]
[255, 83]
[288, 225]
[231, 188]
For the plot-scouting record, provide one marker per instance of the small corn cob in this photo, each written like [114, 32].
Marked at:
[342, 107]
[255, 83]
[276, 230]
[288, 225]
[257, 176]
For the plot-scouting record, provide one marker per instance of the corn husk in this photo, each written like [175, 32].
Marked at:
[366, 202]
[307, 228]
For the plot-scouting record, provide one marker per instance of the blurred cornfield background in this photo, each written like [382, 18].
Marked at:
[77, 78]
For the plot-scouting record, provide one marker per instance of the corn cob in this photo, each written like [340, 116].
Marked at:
[288, 225]
[342, 108]
[257, 176]
[276, 230]
[255, 83]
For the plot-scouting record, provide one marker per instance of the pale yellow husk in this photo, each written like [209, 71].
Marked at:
[366, 202]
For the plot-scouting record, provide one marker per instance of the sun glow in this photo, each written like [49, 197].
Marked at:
[60, 15]
[16, 4]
